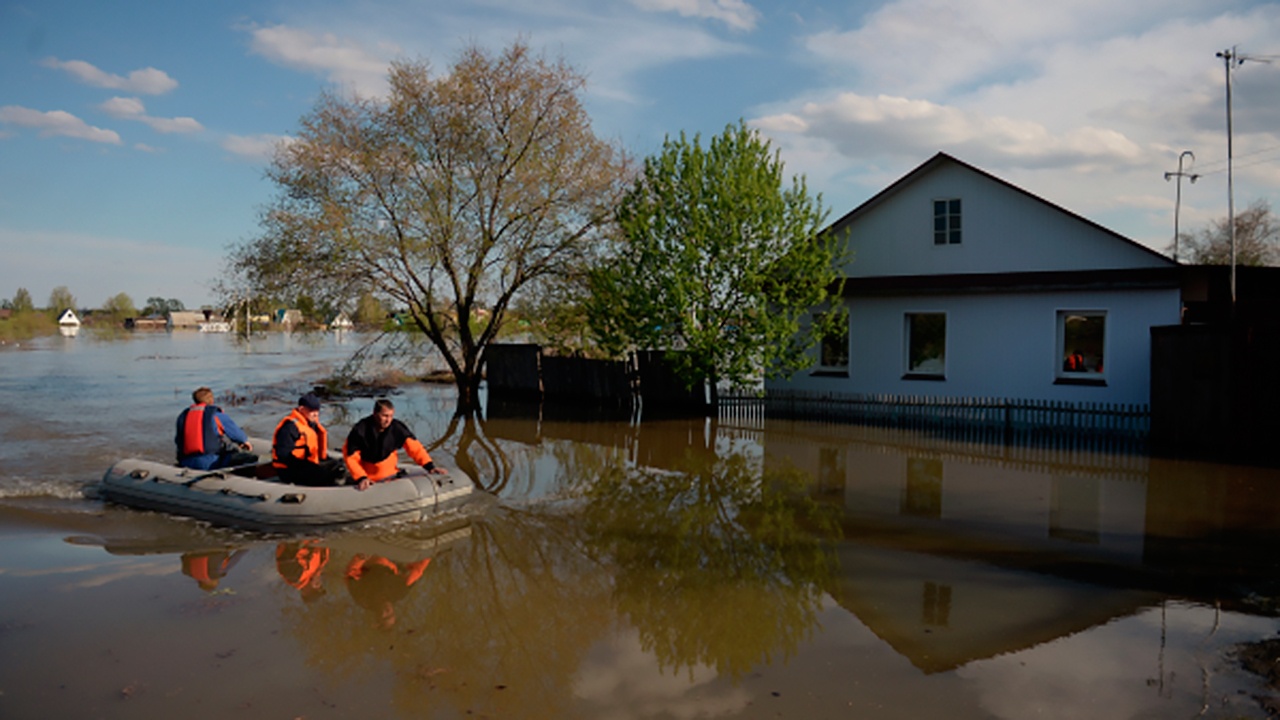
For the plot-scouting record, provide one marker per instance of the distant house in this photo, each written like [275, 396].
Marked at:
[185, 319]
[963, 285]
[6, 313]
[341, 322]
[288, 318]
[151, 322]
[68, 323]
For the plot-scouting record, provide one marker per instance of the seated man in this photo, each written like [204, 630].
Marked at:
[207, 439]
[370, 451]
[300, 447]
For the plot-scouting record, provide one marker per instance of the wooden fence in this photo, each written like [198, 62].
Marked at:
[1040, 423]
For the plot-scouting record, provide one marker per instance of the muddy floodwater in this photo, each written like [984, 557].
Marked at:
[617, 568]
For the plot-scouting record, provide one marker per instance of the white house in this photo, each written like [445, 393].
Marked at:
[341, 321]
[962, 285]
[68, 323]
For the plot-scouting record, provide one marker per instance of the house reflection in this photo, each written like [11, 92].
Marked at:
[955, 553]
[951, 551]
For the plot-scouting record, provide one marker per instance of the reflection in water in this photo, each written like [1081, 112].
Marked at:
[377, 583]
[504, 601]
[717, 564]
[209, 567]
[300, 564]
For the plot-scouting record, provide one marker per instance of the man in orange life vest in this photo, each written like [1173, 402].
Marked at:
[205, 434]
[300, 447]
[370, 451]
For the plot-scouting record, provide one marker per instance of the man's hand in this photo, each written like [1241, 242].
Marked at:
[248, 446]
[437, 471]
[364, 484]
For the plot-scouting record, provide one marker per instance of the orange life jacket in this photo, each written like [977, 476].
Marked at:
[200, 430]
[312, 442]
[387, 467]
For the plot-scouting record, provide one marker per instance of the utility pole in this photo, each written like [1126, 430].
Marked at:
[1177, 203]
[1230, 60]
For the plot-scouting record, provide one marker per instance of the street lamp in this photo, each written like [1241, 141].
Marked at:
[1177, 203]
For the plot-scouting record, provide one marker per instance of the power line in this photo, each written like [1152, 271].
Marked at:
[1217, 167]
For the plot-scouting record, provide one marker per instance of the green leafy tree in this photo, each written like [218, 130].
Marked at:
[160, 306]
[451, 197]
[119, 306]
[720, 260]
[61, 299]
[369, 311]
[1257, 239]
[22, 301]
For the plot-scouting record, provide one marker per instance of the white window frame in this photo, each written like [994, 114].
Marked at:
[915, 374]
[1087, 377]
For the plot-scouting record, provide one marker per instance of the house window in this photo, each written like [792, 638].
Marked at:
[833, 352]
[1082, 339]
[946, 222]
[926, 335]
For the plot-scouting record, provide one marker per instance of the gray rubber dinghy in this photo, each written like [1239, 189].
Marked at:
[243, 497]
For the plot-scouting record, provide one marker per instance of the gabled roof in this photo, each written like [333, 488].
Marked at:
[943, 158]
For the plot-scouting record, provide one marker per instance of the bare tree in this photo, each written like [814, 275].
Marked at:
[448, 198]
[1257, 239]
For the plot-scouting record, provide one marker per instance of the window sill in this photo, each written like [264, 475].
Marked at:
[921, 376]
[830, 373]
[1090, 382]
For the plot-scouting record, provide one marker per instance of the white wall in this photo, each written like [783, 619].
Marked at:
[1004, 230]
[1001, 345]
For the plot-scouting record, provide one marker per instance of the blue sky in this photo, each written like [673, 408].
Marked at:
[134, 134]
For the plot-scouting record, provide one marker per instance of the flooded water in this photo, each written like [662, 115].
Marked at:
[655, 569]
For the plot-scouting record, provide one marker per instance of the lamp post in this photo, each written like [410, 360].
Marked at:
[1177, 203]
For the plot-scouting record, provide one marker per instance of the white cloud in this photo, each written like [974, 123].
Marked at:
[56, 122]
[148, 81]
[859, 126]
[254, 147]
[341, 61]
[734, 13]
[133, 109]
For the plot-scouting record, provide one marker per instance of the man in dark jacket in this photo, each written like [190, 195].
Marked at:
[370, 451]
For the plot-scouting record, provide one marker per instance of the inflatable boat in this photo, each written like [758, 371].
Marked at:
[249, 497]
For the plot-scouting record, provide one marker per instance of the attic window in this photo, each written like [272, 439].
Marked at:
[946, 222]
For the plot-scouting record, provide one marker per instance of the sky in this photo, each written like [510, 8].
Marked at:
[134, 135]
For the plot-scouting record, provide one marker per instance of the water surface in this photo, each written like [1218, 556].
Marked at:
[623, 569]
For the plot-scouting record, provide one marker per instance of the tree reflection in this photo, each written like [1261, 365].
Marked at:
[720, 564]
[506, 599]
